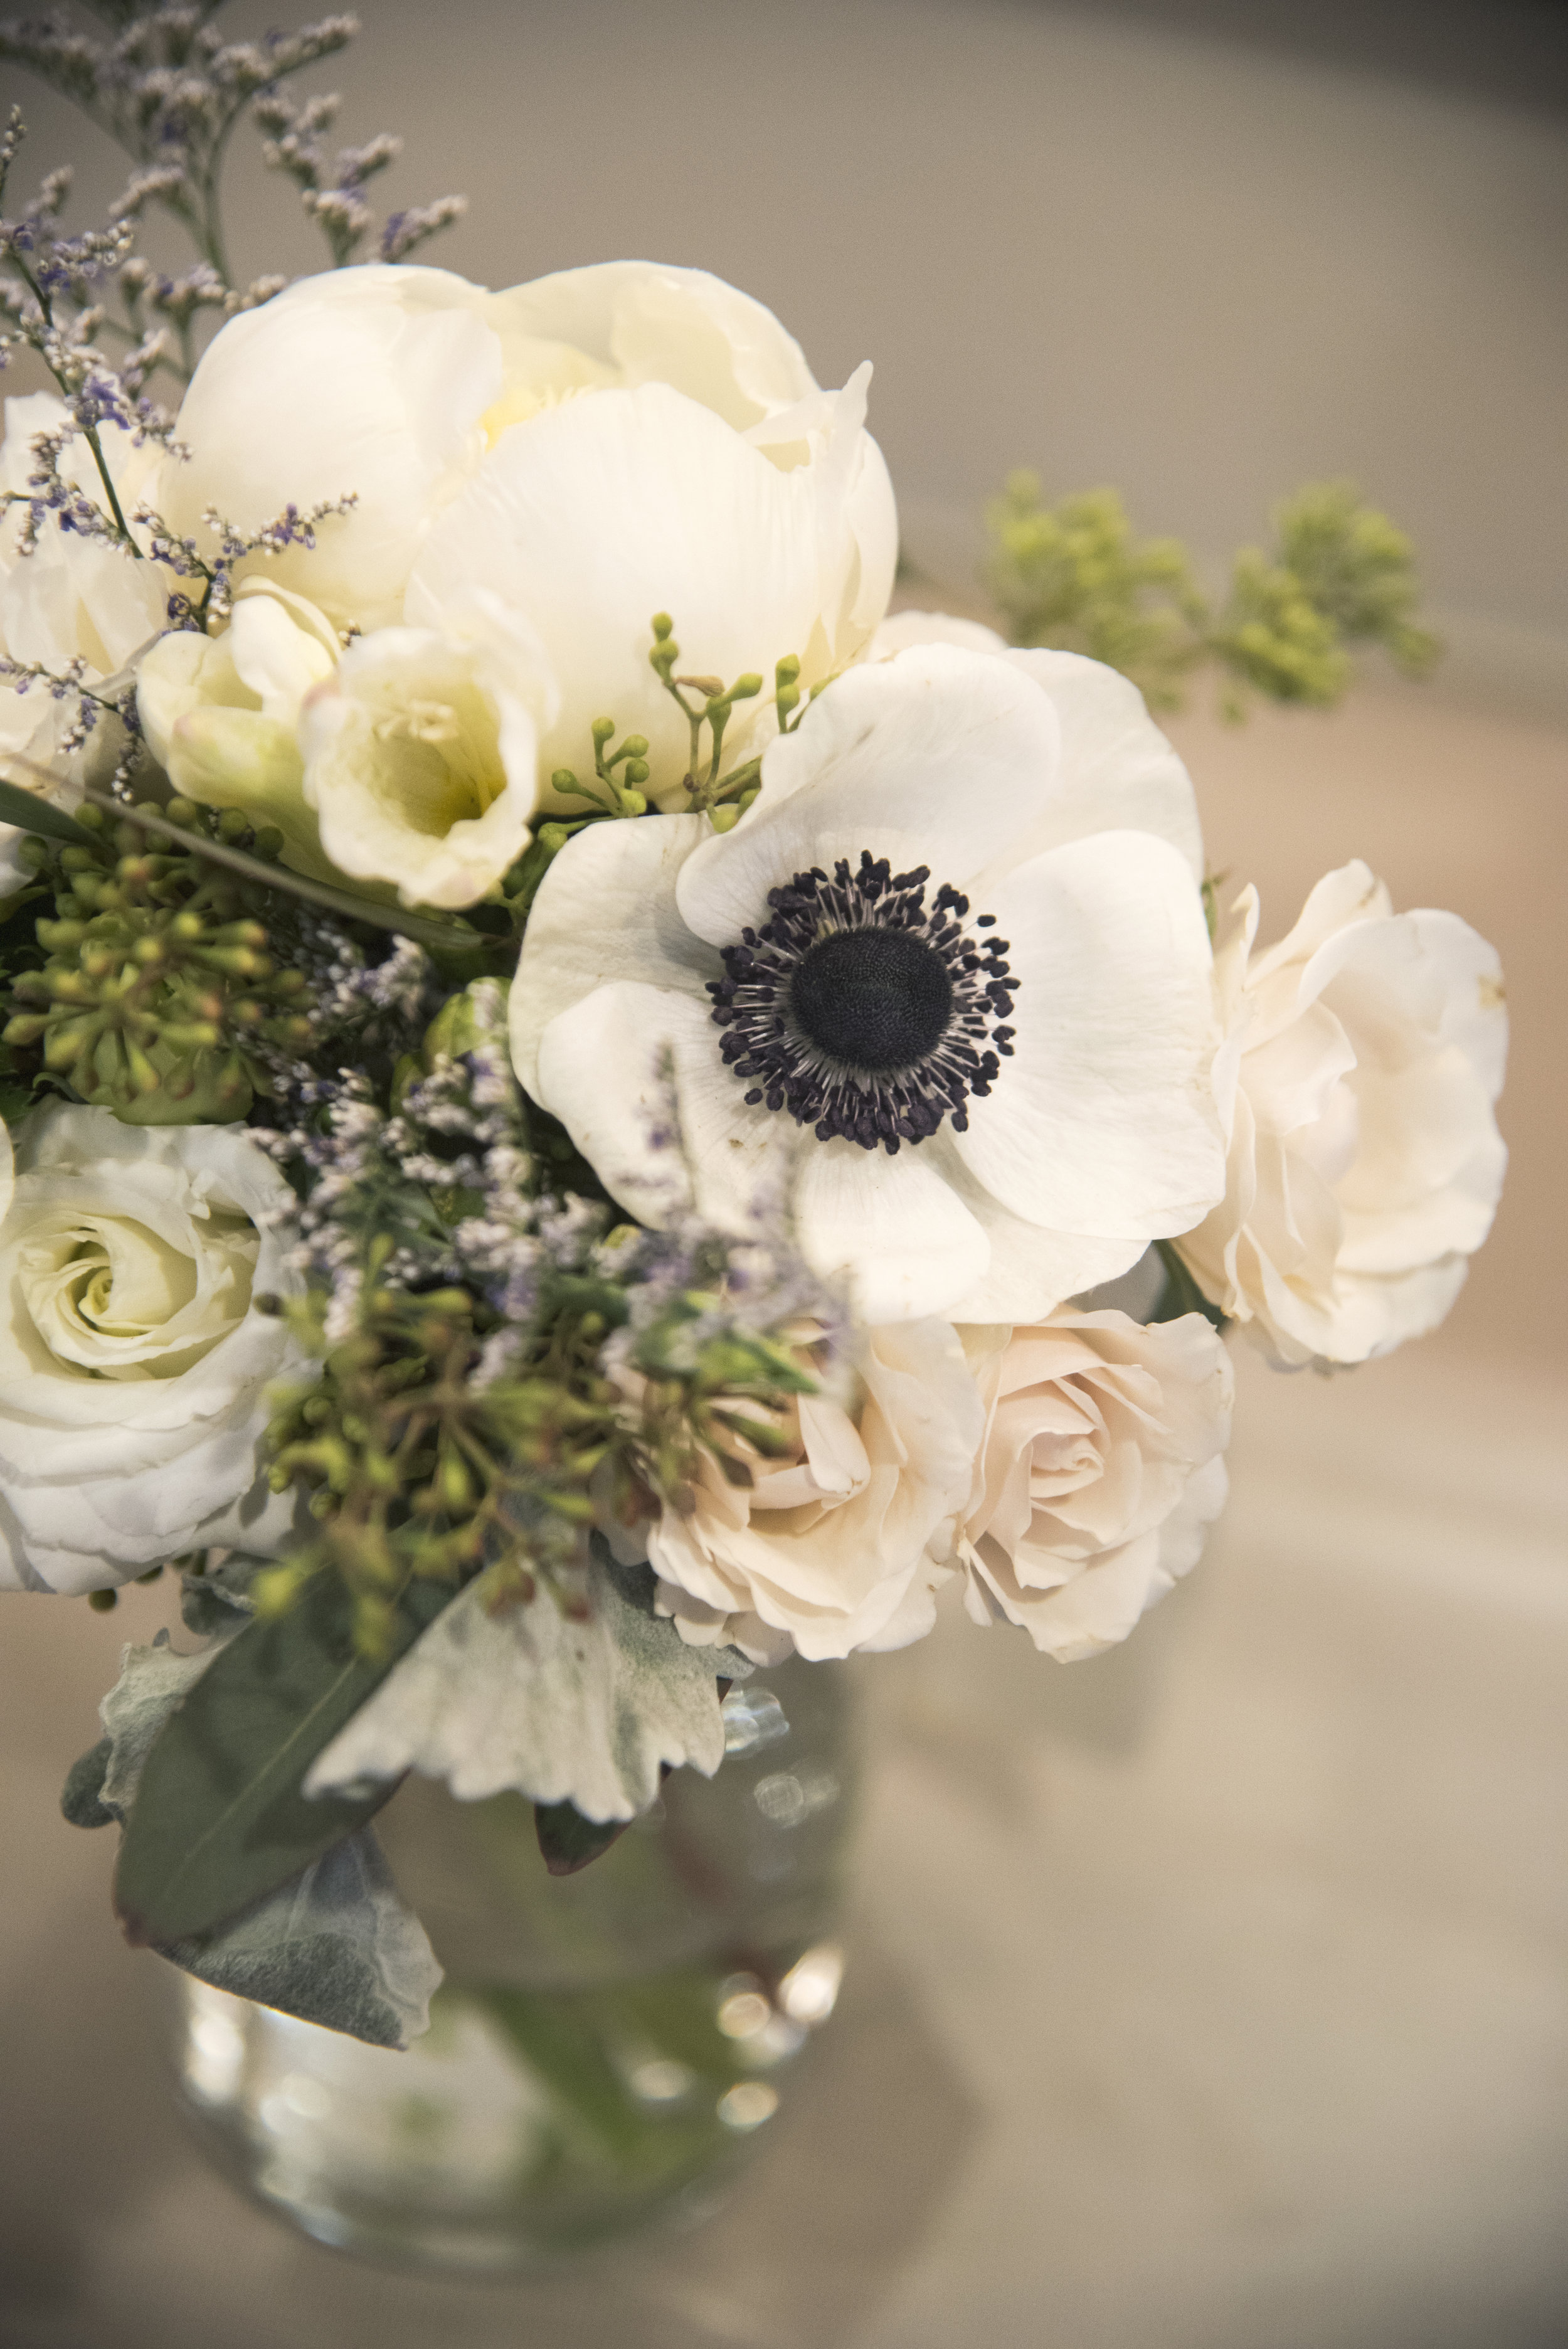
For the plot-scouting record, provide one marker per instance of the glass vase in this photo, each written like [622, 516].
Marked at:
[605, 2046]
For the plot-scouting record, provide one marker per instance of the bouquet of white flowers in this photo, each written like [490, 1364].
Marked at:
[591, 1111]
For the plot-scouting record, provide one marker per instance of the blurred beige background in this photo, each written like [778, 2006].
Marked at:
[1213, 1995]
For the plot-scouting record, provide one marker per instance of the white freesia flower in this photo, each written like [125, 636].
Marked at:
[1102, 1463]
[665, 447]
[221, 714]
[844, 1532]
[75, 599]
[133, 1361]
[1363, 1056]
[926, 995]
[421, 755]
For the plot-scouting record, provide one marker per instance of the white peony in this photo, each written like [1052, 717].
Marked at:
[840, 1535]
[73, 599]
[133, 1360]
[1102, 1463]
[1363, 1056]
[221, 714]
[927, 932]
[664, 446]
[421, 754]
[592, 447]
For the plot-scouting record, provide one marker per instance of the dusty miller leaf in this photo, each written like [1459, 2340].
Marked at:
[529, 1700]
[336, 1946]
[220, 1820]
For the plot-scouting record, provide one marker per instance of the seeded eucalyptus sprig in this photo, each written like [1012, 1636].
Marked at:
[158, 988]
[1338, 577]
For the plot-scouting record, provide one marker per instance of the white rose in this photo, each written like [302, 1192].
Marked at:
[221, 714]
[945, 991]
[74, 599]
[1363, 1057]
[1100, 1467]
[133, 1361]
[421, 754]
[840, 1538]
[662, 445]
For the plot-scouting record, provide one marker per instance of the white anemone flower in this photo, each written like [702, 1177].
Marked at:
[928, 996]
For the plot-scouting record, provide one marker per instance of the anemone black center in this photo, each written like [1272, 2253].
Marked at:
[873, 998]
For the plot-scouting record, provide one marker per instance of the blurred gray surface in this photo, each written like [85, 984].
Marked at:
[1203, 251]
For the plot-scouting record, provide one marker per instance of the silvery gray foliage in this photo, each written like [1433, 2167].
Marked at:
[338, 1946]
[534, 1701]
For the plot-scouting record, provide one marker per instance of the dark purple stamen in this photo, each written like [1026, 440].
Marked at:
[862, 1012]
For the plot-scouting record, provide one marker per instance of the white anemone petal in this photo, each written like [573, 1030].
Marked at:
[1103, 1123]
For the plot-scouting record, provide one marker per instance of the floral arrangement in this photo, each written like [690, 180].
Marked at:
[590, 1109]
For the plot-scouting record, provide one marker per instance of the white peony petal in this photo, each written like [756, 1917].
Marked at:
[941, 756]
[369, 381]
[890, 1230]
[606, 910]
[601, 511]
[1104, 1122]
[648, 322]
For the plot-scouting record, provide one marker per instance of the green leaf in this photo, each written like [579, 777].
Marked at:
[1181, 1293]
[425, 930]
[219, 1817]
[533, 1701]
[336, 1946]
[568, 1840]
[30, 813]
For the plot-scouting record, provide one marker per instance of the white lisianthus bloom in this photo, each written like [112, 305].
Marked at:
[421, 755]
[662, 445]
[1363, 1056]
[74, 599]
[925, 997]
[134, 1363]
[845, 1529]
[1102, 1463]
[221, 714]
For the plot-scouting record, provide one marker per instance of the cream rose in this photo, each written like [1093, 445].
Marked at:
[1363, 1056]
[1102, 1462]
[133, 1360]
[842, 1533]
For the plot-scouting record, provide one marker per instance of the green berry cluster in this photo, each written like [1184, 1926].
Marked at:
[158, 983]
